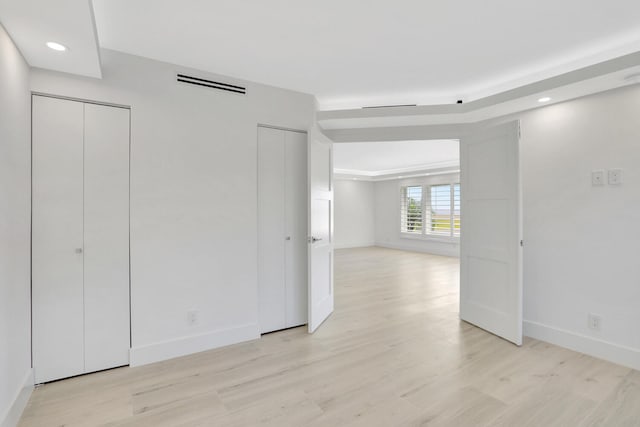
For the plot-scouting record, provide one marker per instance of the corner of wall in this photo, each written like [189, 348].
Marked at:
[12, 417]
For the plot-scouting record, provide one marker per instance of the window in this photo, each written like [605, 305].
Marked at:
[412, 210]
[431, 210]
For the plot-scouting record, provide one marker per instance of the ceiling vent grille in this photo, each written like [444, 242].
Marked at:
[391, 106]
[183, 78]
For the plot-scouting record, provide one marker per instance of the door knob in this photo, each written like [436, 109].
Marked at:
[314, 239]
[287, 238]
[78, 250]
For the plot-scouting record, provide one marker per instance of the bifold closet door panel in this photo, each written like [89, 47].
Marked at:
[57, 238]
[296, 224]
[106, 237]
[271, 229]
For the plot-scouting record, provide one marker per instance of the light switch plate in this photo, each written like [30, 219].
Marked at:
[615, 176]
[597, 177]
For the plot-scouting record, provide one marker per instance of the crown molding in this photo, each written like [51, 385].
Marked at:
[402, 173]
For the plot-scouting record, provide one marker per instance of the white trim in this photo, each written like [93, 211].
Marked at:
[440, 248]
[342, 174]
[192, 344]
[622, 355]
[447, 164]
[354, 245]
[14, 412]
[430, 237]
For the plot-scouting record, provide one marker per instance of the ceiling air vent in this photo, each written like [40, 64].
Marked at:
[391, 106]
[210, 83]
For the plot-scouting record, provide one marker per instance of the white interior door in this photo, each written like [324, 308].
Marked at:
[320, 240]
[296, 228]
[490, 246]
[80, 238]
[271, 229]
[282, 228]
[57, 239]
[106, 237]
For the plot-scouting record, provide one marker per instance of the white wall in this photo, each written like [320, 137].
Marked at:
[15, 199]
[193, 198]
[387, 218]
[582, 243]
[354, 215]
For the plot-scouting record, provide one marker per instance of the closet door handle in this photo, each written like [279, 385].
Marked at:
[287, 238]
[78, 250]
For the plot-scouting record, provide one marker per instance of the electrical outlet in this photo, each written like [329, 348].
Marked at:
[597, 177]
[615, 176]
[594, 321]
[193, 317]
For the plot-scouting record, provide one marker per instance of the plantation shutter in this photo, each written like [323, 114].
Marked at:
[439, 210]
[456, 210]
[411, 210]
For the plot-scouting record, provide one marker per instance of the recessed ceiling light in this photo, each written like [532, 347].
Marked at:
[56, 46]
[544, 99]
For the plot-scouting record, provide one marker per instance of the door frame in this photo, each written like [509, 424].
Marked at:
[257, 195]
[453, 131]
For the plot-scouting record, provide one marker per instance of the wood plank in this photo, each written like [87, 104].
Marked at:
[393, 353]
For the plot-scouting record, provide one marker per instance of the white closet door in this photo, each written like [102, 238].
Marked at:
[58, 310]
[106, 237]
[271, 229]
[296, 228]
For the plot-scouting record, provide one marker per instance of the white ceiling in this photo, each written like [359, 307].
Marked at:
[33, 23]
[359, 52]
[363, 52]
[376, 159]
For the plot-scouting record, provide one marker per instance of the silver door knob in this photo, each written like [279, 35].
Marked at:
[78, 250]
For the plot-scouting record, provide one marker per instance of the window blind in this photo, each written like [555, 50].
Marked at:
[456, 209]
[411, 210]
[430, 210]
[440, 210]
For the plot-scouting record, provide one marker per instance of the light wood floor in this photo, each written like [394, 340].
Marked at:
[393, 354]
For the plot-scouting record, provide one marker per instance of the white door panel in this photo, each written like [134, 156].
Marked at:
[296, 228]
[80, 229]
[57, 236]
[106, 237]
[490, 251]
[321, 301]
[271, 229]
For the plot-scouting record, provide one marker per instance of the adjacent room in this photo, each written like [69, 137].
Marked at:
[398, 194]
[224, 213]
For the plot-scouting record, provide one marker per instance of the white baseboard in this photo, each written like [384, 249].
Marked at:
[353, 245]
[12, 417]
[183, 346]
[444, 249]
[625, 356]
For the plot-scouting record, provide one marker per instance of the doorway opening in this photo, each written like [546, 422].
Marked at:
[398, 208]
